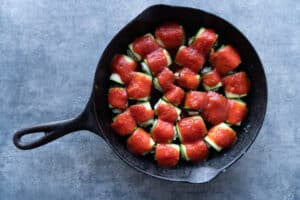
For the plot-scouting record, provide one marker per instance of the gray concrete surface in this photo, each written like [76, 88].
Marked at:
[48, 55]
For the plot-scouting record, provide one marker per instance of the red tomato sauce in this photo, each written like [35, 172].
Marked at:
[139, 86]
[211, 79]
[237, 111]
[225, 59]
[141, 114]
[139, 142]
[156, 61]
[192, 129]
[166, 112]
[196, 100]
[124, 67]
[163, 132]
[223, 137]
[190, 58]
[175, 95]
[166, 155]
[166, 79]
[144, 45]
[196, 151]
[124, 124]
[216, 110]
[237, 83]
[170, 34]
[188, 79]
[117, 97]
[204, 42]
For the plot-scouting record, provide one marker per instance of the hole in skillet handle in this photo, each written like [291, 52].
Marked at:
[37, 136]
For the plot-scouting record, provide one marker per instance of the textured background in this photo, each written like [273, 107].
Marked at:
[48, 55]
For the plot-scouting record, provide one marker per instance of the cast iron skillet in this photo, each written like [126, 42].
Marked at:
[96, 117]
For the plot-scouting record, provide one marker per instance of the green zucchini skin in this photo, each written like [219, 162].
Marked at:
[183, 153]
[116, 78]
[230, 95]
[212, 88]
[212, 144]
[147, 105]
[157, 85]
[145, 68]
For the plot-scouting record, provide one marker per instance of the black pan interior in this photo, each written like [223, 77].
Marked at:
[191, 19]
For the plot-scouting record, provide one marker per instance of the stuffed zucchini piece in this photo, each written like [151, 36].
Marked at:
[211, 80]
[191, 129]
[157, 60]
[204, 40]
[164, 80]
[216, 110]
[167, 155]
[237, 112]
[174, 95]
[163, 132]
[122, 67]
[195, 152]
[236, 85]
[140, 142]
[221, 136]
[142, 113]
[187, 79]
[117, 99]
[225, 59]
[195, 101]
[166, 111]
[142, 46]
[124, 124]
[139, 87]
[190, 58]
[170, 35]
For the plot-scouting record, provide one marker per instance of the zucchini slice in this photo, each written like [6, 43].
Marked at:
[181, 47]
[116, 78]
[162, 101]
[160, 42]
[153, 126]
[212, 88]
[169, 59]
[132, 54]
[234, 96]
[145, 68]
[152, 144]
[175, 134]
[178, 132]
[157, 85]
[147, 123]
[183, 153]
[147, 105]
[192, 39]
[135, 55]
[212, 144]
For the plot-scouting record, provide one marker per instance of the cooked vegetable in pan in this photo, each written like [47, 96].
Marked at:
[179, 105]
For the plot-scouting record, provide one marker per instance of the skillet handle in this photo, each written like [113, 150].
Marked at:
[54, 130]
